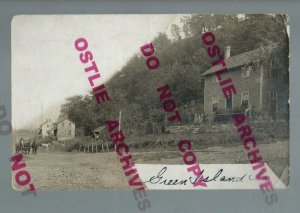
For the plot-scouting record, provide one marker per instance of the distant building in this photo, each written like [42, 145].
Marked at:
[261, 86]
[101, 136]
[44, 128]
[63, 129]
[100, 133]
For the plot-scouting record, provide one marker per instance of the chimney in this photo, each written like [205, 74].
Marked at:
[227, 52]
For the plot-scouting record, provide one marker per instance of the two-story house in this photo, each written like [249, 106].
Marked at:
[261, 80]
[44, 128]
[63, 129]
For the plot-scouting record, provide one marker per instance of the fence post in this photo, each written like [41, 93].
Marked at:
[106, 145]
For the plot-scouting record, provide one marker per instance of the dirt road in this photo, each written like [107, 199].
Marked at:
[87, 171]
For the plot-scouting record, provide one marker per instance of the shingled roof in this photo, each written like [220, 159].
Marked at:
[238, 60]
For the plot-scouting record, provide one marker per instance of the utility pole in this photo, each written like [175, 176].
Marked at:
[120, 116]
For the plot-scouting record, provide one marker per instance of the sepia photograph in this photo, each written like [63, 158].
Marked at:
[151, 101]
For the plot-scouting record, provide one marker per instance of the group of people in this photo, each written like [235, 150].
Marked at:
[25, 147]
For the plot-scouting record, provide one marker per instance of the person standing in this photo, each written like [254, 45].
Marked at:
[34, 147]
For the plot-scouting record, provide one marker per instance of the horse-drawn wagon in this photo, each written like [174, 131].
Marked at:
[24, 146]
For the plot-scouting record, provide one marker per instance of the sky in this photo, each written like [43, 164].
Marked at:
[45, 64]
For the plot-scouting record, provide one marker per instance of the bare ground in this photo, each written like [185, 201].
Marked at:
[90, 171]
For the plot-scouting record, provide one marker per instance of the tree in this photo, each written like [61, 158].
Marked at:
[182, 61]
[175, 32]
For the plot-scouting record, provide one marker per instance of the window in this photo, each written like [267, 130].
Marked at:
[245, 71]
[228, 103]
[214, 104]
[273, 104]
[214, 79]
[273, 96]
[63, 124]
[69, 132]
[245, 100]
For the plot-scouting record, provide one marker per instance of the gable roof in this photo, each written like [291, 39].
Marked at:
[62, 119]
[99, 129]
[239, 60]
[53, 128]
[45, 123]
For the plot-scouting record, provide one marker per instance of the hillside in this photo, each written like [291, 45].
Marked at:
[182, 61]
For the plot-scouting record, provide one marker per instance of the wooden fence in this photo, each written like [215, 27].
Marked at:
[93, 147]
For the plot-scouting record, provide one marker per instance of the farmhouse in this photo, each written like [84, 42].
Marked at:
[44, 128]
[63, 129]
[261, 80]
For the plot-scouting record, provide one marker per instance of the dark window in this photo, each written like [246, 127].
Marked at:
[273, 96]
[245, 71]
[214, 104]
[229, 103]
[245, 100]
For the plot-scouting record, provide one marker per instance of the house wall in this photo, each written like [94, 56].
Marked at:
[250, 84]
[46, 127]
[65, 130]
[280, 85]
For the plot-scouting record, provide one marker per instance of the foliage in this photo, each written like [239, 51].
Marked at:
[47, 139]
[182, 61]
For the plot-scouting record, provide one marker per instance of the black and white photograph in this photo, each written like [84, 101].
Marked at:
[211, 89]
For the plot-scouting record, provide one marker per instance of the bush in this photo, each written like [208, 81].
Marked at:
[47, 140]
[70, 146]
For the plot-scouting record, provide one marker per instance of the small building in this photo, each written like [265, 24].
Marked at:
[101, 136]
[44, 128]
[100, 133]
[63, 129]
[262, 85]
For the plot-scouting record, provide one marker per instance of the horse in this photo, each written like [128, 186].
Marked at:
[23, 147]
[26, 147]
[18, 148]
[34, 147]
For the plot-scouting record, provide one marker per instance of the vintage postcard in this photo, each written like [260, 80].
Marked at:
[141, 102]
